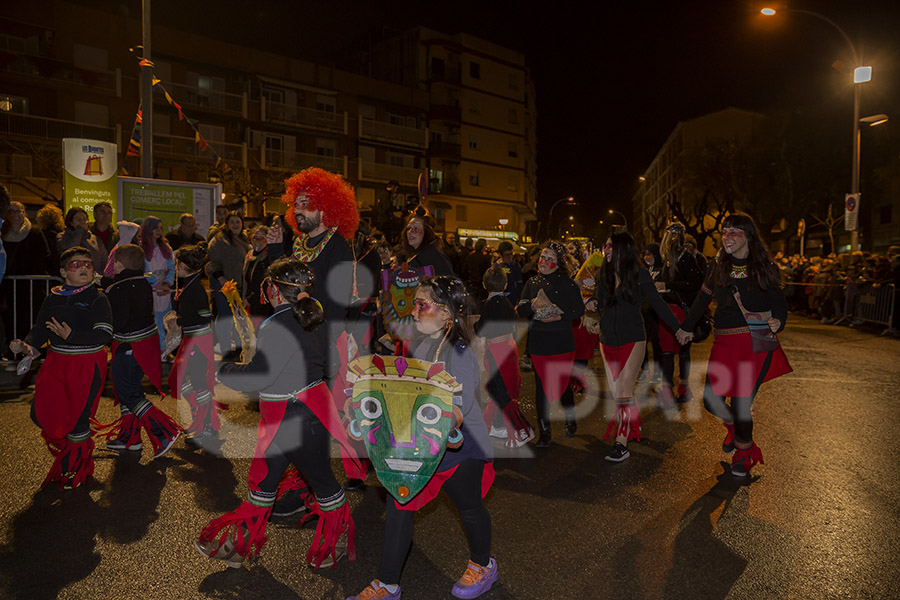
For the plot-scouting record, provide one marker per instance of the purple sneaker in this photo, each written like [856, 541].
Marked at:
[475, 581]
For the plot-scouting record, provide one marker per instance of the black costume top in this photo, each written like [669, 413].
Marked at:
[460, 362]
[255, 266]
[192, 306]
[621, 322]
[288, 359]
[86, 312]
[548, 339]
[513, 280]
[498, 317]
[474, 267]
[176, 239]
[431, 255]
[728, 313]
[686, 281]
[131, 300]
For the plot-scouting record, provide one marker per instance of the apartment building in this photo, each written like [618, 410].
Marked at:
[481, 120]
[67, 71]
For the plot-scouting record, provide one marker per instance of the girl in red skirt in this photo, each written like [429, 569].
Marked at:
[750, 310]
[622, 285]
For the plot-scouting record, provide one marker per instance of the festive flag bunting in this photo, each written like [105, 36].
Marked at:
[155, 80]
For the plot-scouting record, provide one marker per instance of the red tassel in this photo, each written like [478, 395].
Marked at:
[78, 458]
[332, 525]
[750, 456]
[627, 420]
[111, 431]
[489, 413]
[729, 438]
[518, 429]
[293, 480]
[202, 414]
[156, 419]
[245, 525]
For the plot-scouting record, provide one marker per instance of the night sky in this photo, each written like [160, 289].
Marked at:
[612, 79]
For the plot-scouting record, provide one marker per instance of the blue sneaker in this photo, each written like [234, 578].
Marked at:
[475, 581]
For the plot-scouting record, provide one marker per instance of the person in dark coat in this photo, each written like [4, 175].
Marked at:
[421, 247]
[186, 233]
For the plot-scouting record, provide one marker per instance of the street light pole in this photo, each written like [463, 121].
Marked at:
[854, 171]
[624, 219]
[146, 96]
[570, 199]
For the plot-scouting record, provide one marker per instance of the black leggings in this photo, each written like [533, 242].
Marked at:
[739, 412]
[684, 365]
[464, 489]
[540, 400]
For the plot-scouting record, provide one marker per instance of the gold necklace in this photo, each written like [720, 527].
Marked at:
[739, 272]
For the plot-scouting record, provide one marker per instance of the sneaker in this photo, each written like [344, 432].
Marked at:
[525, 436]
[376, 591]
[498, 432]
[226, 553]
[525, 364]
[202, 438]
[728, 444]
[290, 503]
[738, 469]
[340, 551]
[122, 442]
[355, 485]
[476, 580]
[618, 453]
[167, 444]
[571, 427]
[685, 394]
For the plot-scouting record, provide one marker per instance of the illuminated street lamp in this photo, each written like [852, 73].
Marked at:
[503, 223]
[570, 201]
[861, 74]
[624, 220]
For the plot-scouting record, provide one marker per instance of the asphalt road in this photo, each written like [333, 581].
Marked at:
[819, 520]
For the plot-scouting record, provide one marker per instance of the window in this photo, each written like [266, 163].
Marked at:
[473, 177]
[513, 184]
[89, 57]
[212, 133]
[435, 137]
[474, 70]
[473, 145]
[274, 142]
[395, 160]
[513, 81]
[325, 103]
[437, 67]
[461, 213]
[401, 120]
[435, 180]
[13, 104]
[513, 115]
[513, 150]
[326, 147]
[273, 95]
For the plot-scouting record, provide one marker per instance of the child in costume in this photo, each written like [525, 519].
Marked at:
[297, 414]
[135, 353]
[441, 313]
[501, 359]
[76, 320]
[193, 373]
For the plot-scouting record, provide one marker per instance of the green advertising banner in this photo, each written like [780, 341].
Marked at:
[168, 200]
[89, 174]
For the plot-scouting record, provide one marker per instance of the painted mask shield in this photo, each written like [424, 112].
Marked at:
[400, 287]
[403, 409]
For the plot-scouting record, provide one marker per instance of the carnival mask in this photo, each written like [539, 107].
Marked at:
[400, 287]
[404, 411]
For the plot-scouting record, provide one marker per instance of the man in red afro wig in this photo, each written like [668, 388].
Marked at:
[325, 192]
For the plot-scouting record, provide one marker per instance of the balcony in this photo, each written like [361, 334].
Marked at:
[306, 118]
[389, 133]
[190, 96]
[281, 160]
[50, 69]
[445, 112]
[373, 171]
[445, 150]
[27, 126]
[185, 148]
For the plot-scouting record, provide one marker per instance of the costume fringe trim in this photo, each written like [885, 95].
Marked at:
[293, 480]
[158, 426]
[750, 455]
[202, 417]
[245, 526]
[111, 431]
[332, 525]
[73, 462]
[518, 429]
[729, 437]
[627, 420]
[665, 397]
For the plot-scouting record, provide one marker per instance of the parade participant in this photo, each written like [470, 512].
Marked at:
[653, 262]
[76, 320]
[256, 263]
[159, 263]
[622, 285]
[513, 271]
[135, 353]
[750, 310]
[193, 375]
[297, 414]
[551, 301]
[422, 247]
[497, 326]
[442, 317]
[586, 330]
[227, 251]
[681, 279]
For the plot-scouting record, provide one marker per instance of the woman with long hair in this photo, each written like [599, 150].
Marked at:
[297, 420]
[551, 301]
[681, 280]
[622, 286]
[227, 251]
[653, 263]
[750, 310]
[159, 262]
[421, 246]
[441, 312]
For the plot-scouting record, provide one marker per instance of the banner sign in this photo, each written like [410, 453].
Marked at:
[486, 233]
[851, 211]
[89, 174]
[168, 200]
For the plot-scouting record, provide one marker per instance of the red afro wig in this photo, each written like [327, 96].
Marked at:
[327, 192]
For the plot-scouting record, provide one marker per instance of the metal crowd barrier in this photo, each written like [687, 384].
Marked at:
[872, 302]
[24, 286]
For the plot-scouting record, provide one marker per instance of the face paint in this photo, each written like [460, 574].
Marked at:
[403, 409]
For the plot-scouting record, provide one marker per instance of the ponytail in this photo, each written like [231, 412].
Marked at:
[308, 312]
[295, 282]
